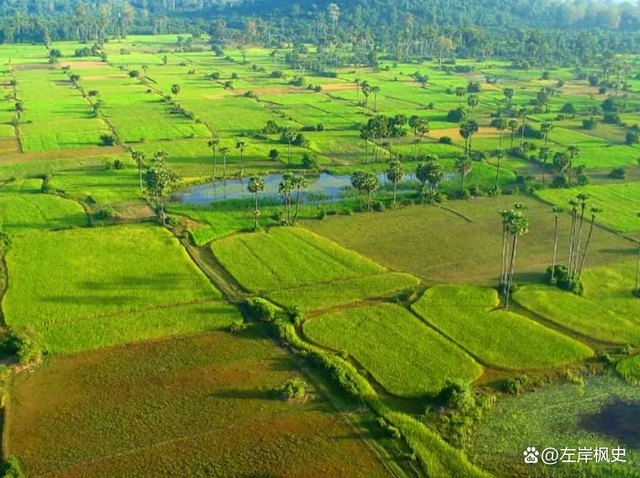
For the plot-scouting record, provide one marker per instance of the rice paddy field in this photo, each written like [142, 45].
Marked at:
[155, 364]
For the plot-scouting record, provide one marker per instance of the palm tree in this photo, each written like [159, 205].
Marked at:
[594, 212]
[509, 93]
[574, 220]
[430, 171]
[467, 130]
[213, 144]
[543, 156]
[376, 91]
[369, 185]
[505, 249]
[145, 68]
[139, 157]
[582, 199]
[574, 153]
[256, 185]
[299, 183]
[241, 145]
[513, 126]
[473, 101]
[285, 188]
[518, 225]
[500, 124]
[422, 128]
[522, 113]
[357, 83]
[357, 178]
[175, 89]
[463, 166]
[460, 92]
[366, 91]
[500, 157]
[224, 151]
[289, 134]
[395, 173]
[557, 210]
[545, 129]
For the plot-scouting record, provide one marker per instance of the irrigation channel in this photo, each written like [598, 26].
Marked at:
[324, 187]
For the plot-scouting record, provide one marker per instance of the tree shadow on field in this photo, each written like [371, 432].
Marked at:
[528, 277]
[165, 280]
[619, 252]
[91, 300]
[619, 420]
[240, 394]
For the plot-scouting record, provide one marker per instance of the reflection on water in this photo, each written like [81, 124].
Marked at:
[322, 188]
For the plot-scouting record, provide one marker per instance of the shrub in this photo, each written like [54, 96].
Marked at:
[445, 140]
[568, 108]
[293, 389]
[11, 468]
[632, 137]
[457, 395]
[378, 206]
[92, 93]
[107, 140]
[28, 345]
[262, 309]
[611, 118]
[406, 202]
[118, 164]
[618, 173]
[516, 385]
[589, 123]
[274, 154]
[320, 127]
[457, 115]
[237, 326]
[322, 215]
[310, 162]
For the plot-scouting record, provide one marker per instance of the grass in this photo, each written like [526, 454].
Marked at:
[400, 352]
[200, 405]
[287, 257]
[578, 314]
[90, 273]
[460, 243]
[620, 203]
[28, 213]
[339, 293]
[468, 316]
[560, 416]
[629, 369]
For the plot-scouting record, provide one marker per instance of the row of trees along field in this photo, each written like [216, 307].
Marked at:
[543, 33]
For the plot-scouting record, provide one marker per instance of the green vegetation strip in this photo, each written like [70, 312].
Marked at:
[72, 337]
[497, 337]
[576, 313]
[405, 356]
[66, 276]
[25, 213]
[629, 369]
[287, 257]
[324, 296]
[437, 458]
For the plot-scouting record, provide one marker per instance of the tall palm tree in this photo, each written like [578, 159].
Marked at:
[582, 199]
[575, 207]
[175, 89]
[463, 166]
[241, 145]
[574, 153]
[543, 156]
[139, 157]
[285, 188]
[224, 151]
[473, 101]
[545, 129]
[500, 124]
[366, 91]
[467, 130]
[460, 92]
[376, 91]
[505, 249]
[509, 93]
[522, 113]
[255, 186]
[299, 183]
[422, 128]
[213, 144]
[557, 210]
[513, 126]
[518, 225]
[289, 134]
[395, 173]
[594, 213]
[500, 157]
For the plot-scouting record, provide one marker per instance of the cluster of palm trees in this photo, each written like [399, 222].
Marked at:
[160, 180]
[570, 277]
[225, 151]
[366, 183]
[515, 223]
[381, 129]
[367, 90]
[289, 185]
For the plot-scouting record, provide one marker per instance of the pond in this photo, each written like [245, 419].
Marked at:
[322, 188]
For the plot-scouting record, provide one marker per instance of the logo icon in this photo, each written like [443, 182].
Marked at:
[531, 455]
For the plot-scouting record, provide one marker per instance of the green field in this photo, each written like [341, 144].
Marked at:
[402, 354]
[619, 201]
[339, 293]
[283, 258]
[182, 406]
[470, 317]
[460, 242]
[75, 279]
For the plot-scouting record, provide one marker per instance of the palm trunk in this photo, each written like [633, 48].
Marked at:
[140, 177]
[369, 201]
[395, 191]
[241, 163]
[637, 289]
[295, 216]
[586, 249]
[214, 165]
[511, 270]
[255, 211]
[502, 260]
[555, 251]
[224, 167]
[574, 216]
[524, 121]
[513, 133]
[497, 175]
[578, 244]
[162, 221]
[500, 143]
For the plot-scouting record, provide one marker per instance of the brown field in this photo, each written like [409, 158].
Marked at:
[192, 406]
